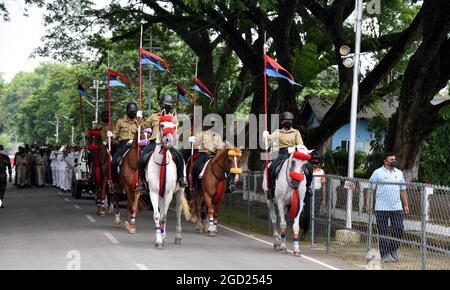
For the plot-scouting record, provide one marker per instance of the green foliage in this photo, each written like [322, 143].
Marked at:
[435, 158]
[336, 162]
[308, 63]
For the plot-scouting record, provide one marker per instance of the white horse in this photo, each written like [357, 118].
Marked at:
[161, 191]
[290, 189]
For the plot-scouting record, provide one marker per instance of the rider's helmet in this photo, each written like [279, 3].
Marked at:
[167, 102]
[287, 120]
[132, 110]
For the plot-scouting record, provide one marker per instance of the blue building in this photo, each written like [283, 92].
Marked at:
[314, 109]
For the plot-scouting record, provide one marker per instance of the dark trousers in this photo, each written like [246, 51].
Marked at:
[116, 159]
[198, 165]
[3, 182]
[273, 165]
[307, 211]
[388, 246]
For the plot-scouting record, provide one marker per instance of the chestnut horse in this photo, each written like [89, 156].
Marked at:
[128, 181]
[100, 159]
[212, 187]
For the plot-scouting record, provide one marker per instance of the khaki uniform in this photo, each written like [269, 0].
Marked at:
[40, 169]
[22, 166]
[153, 123]
[286, 138]
[208, 142]
[30, 169]
[125, 129]
[103, 127]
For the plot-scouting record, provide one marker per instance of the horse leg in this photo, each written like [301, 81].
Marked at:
[281, 210]
[212, 229]
[273, 218]
[130, 224]
[296, 229]
[179, 196]
[116, 198]
[154, 197]
[216, 215]
[104, 193]
[198, 214]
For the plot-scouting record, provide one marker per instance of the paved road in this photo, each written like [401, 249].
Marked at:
[45, 229]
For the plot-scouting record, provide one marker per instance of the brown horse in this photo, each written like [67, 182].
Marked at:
[213, 185]
[128, 182]
[100, 159]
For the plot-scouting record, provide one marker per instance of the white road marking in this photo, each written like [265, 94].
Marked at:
[66, 199]
[270, 244]
[141, 267]
[112, 239]
[90, 218]
[76, 206]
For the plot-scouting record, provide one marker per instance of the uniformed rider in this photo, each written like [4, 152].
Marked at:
[167, 104]
[123, 136]
[284, 138]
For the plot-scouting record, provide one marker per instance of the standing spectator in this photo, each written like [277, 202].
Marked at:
[5, 170]
[54, 165]
[319, 181]
[21, 168]
[391, 203]
[40, 167]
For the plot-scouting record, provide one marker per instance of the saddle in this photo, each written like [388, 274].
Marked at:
[275, 168]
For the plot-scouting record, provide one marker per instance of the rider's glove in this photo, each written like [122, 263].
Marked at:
[266, 134]
[130, 142]
[192, 139]
[109, 134]
[139, 114]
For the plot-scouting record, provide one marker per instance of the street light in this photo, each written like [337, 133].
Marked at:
[73, 128]
[97, 86]
[353, 60]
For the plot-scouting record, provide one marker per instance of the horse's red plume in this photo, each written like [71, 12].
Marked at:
[170, 131]
[92, 147]
[168, 118]
[302, 156]
[296, 176]
[96, 133]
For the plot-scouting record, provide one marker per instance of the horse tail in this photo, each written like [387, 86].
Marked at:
[185, 208]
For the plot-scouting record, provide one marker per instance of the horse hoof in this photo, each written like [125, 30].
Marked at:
[177, 241]
[297, 253]
[276, 246]
[102, 213]
[282, 249]
[132, 231]
[212, 234]
[117, 225]
[159, 246]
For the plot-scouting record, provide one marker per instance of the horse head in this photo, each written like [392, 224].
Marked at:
[95, 138]
[229, 160]
[298, 160]
[167, 130]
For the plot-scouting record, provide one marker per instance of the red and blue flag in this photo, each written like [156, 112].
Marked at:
[153, 59]
[201, 88]
[82, 91]
[183, 95]
[115, 77]
[273, 69]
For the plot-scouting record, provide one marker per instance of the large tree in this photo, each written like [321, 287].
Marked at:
[307, 33]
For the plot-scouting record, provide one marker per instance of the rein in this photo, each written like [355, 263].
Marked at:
[225, 171]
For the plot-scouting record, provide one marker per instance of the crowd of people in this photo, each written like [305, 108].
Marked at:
[45, 165]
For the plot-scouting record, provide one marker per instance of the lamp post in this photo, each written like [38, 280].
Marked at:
[57, 127]
[354, 62]
[73, 129]
[98, 84]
